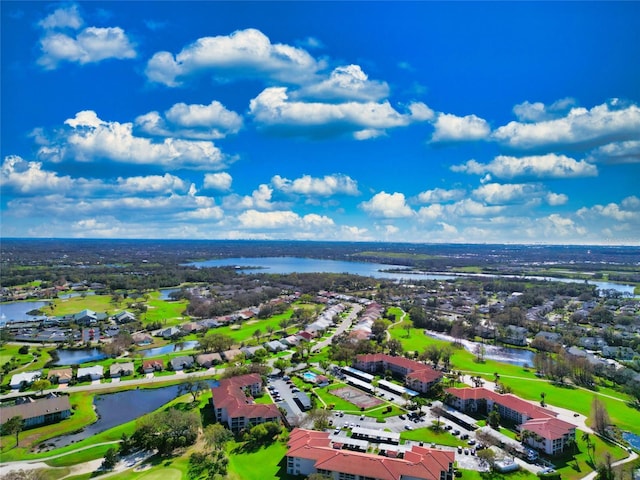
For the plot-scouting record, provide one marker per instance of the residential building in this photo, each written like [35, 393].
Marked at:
[417, 376]
[25, 379]
[233, 404]
[207, 360]
[38, 412]
[124, 317]
[311, 451]
[121, 369]
[90, 373]
[154, 365]
[60, 375]
[182, 362]
[547, 432]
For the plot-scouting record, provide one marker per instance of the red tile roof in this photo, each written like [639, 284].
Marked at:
[549, 428]
[506, 400]
[427, 372]
[419, 462]
[230, 396]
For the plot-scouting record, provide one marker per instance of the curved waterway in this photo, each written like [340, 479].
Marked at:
[114, 409]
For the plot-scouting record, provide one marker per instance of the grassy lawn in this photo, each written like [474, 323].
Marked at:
[97, 303]
[245, 331]
[517, 475]
[168, 312]
[377, 412]
[265, 463]
[576, 467]
[429, 435]
[525, 384]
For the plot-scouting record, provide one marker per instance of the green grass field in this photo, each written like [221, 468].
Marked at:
[264, 463]
[525, 384]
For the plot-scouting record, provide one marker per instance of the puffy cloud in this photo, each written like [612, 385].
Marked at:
[555, 199]
[471, 208]
[345, 83]
[218, 181]
[431, 212]
[496, 193]
[206, 213]
[557, 226]
[327, 186]
[153, 184]
[245, 54]
[273, 109]
[205, 122]
[438, 195]
[89, 45]
[89, 138]
[259, 199]
[626, 212]
[30, 178]
[617, 152]
[387, 205]
[538, 111]
[63, 18]
[539, 166]
[450, 128]
[602, 124]
[254, 219]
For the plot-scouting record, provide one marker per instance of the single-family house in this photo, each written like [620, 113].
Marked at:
[231, 355]
[275, 346]
[142, 339]
[124, 317]
[513, 335]
[121, 369]
[60, 375]
[169, 332]
[38, 412]
[85, 317]
[153, 365]
[20, 380]
[190, 327]
[207, 360]
[291, 340]
[90, 373]
[249, 352]
[181, 363]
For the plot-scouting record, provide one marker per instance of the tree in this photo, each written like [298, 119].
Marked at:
[479, 351]
[487, 456]
[605, 469]
[257, 334]
[281, 364]
[599, 416]
[319, 418]
[25, 475]
[445, 355]
[432, 353]
[216, 436]
[41, 385]
[591, 447]
[542, 401]
[494, 418]
[110, 459]
[167, 430]
[395, 346]
[13, 426]
[216, 342]
[193, 386]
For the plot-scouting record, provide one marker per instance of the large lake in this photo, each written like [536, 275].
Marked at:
[285, 265]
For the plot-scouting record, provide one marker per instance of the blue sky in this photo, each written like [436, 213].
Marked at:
[418, 121]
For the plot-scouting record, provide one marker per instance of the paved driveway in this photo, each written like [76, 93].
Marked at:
[294, 414]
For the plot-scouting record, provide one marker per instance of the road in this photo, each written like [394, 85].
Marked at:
[344, 325]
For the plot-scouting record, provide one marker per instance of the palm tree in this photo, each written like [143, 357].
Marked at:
[542, 402]
[13, 425]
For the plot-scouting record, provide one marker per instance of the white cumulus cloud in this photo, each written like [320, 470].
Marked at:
[539, 166]
[555, 199]
[326, 186]
[274, 110]
[245, 53]
[387, 205]
[166, 183]
[497, 193]
[345, 83]
[64, 41]
[438, 195]
[538, 111]
[203, 122]
[89, 138]
[600, 125]
[451, 128]
[29, 177]
[218, 181]
[617, 152]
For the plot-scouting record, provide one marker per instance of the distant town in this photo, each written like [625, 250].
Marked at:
[139, 359]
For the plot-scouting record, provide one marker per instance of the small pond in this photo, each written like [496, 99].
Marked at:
[153, 352]
[165, 292]
[17, 311]
[83, 355]
[513, 356]
[114, 409]
[633, 439]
